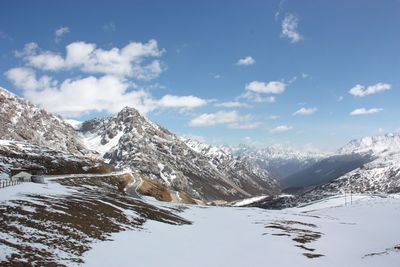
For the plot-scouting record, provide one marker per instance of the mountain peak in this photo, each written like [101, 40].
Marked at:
[378, 144]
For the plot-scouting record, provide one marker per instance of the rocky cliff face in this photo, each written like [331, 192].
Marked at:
[129, 140]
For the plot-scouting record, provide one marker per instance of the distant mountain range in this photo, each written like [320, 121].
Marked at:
[32, 137]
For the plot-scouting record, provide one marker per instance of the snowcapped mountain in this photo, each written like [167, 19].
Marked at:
[22, 121]
[279, 160]
[382, 174]
[130, 140]
[379, 174]
[373, 145]
[31, 137]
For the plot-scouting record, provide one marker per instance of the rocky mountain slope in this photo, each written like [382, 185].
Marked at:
[129, 140]
[22, 121]
[32, 138]
[16, 154]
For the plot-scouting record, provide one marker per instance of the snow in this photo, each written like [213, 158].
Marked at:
[20, 190]
[93, 142]
[74, 123]
[375, 145]
[248, 201]
[226, 236]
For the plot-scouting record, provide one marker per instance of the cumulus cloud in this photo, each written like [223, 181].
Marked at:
[281, 129]
[220, 117]
[305, 111]
[232, 104]
[289, 28]
[360, 90]
[246, 61]
[232, 118]
[254, 91]
[364, 111]
[185, 102]
[133, 60]
[59, 33]
[25, 78]
[74, 97]
[273, 87]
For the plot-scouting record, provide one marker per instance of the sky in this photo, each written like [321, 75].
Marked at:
[308, 74]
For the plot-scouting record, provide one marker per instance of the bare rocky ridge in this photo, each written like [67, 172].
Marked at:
[129, 140]
[16, 154]
[22, 121]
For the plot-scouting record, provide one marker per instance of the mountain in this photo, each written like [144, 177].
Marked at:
[22, 121]
[324, 171]
[32, 138]
[130, 140]
[366, 165]
[16, 154]
[382, 174]
[280, 161]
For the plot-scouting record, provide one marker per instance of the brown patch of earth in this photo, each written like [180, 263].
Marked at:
[299, 234]
[154, 189]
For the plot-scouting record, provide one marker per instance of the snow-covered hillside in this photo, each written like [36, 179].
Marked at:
[381, 174]
[130, 140]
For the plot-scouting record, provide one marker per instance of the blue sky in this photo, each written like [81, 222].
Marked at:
[309, 74]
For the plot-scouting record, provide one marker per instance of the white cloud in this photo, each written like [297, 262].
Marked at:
[364, 111]
[289, 28]
[340, 99]
[305, 111]
[232, 104]
[257, 98]
[133, 60]
[185, 102]
[245, 125]
[59, 33]
[360, 90]
[273, 87]
[232, 118]
[74, 97]
[281, 129]
[25, 78]
[246, 61]
[220, 117]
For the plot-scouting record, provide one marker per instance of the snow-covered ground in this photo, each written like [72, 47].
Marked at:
[325, 233]
[362, 234]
